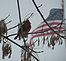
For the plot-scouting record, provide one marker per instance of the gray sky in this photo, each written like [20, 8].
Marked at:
[26, 6]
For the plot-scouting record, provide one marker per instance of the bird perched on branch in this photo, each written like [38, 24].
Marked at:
[24, 29]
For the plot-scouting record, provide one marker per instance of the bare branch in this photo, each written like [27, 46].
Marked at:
[9, 22]
[12, 27]
[39, 6]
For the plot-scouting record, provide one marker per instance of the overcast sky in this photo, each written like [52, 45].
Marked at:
[26, 7]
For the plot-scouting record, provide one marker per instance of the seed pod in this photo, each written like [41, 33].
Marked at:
[6, 48]
[43, 40]
[3, 29]
[38, 41]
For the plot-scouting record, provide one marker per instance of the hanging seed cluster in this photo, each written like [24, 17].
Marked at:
[3, 29]
[53, 40]
[6, 49]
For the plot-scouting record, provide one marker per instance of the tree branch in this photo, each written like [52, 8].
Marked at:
[12, 27]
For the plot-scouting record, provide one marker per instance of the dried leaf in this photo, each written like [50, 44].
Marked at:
[43, 40]
[49, 44]
[38, 41]
[7, 51]
[61, 42]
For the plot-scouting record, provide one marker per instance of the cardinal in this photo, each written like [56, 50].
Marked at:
[24, 29]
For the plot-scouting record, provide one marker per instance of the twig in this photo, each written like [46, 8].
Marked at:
[12, 27]
[39, 6]
[5, 17]
[30, 15]
[9, 22]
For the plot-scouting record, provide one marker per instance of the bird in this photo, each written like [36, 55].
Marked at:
[24, 29]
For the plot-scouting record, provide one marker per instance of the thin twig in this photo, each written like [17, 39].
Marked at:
[12, 27]
[8, 22]
[30, 15]
[6, 17]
